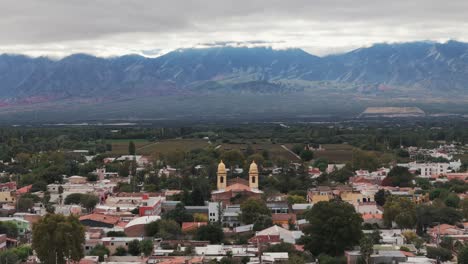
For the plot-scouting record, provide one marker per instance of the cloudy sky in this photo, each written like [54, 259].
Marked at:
[150, 27]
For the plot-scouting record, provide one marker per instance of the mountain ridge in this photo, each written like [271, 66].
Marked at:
[432, 68]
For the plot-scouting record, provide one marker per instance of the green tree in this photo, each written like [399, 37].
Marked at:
[8, 257]
[146, 246]
[232, 157]
[366, 246]
[57, 237]
[134, 247]
[463, 256]
[179, 214]
[364, 160]
[25, 204]
[399, 176]
[212, 232]
[400, 210]
[306, 155]
[100, 251]
[165, 229]
[439, 253]
[381, 196]
[293, 199]
[120, 251]
[334, 227]
[131, 148]
[452, 200]
[9, 228]
[251, 209]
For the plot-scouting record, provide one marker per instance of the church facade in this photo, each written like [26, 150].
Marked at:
[229, 189]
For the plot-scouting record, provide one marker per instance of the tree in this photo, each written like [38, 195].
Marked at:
[100, 251]
[134, 247]
[232, 157]
[73, 198]
[400, 210]
[464, 207]
[131, 148]
[293, 199]
[400, 176]
[381, 196]
[179, 214]
[364, 160]
[334, 227]
[57, 237]
[89, 201]
[463, 256]
[9, 228]
[251, 209]
[212, 232]
[120, 251]
[165, 229]
[366, 246]
[261, 222]
[439, 253]
[146, 246]
[452, 200]
[306, 155]
[25, 204]
[8, 257]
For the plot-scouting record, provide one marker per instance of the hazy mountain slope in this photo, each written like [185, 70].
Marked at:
[426, 65]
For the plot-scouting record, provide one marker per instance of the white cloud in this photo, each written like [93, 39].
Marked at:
[117, 27]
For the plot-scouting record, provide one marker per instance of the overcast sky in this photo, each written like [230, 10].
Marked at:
[149, 27]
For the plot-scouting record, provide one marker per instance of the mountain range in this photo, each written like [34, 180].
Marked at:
[425, 69]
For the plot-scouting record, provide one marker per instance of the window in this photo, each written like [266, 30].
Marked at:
[253, 179]
[221, 179]
[112, 243]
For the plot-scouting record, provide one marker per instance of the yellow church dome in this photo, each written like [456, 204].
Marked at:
[221, 167]
[253, 167]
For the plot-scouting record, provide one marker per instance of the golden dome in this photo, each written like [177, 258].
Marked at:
[221, 167]
[253, 167]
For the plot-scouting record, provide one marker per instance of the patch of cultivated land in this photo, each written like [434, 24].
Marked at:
[167, 146]
[339, 153]
[275, 150]
[120, 146]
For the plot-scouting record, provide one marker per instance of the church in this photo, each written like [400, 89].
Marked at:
[229, 189]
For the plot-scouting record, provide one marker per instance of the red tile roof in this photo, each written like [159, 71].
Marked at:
[24, 189]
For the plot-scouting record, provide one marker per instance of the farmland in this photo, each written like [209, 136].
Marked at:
[145, 147]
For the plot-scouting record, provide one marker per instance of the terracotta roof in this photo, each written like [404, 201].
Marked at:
[283, 217]
[189, 226]
[372, 216]
[238, 187]
[238, 180]
[24, 189]
[408, 254]
[112, 220]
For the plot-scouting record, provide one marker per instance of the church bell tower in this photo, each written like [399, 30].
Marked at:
[222, 176]
[253, 175]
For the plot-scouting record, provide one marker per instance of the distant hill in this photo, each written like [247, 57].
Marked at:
[394, 71]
